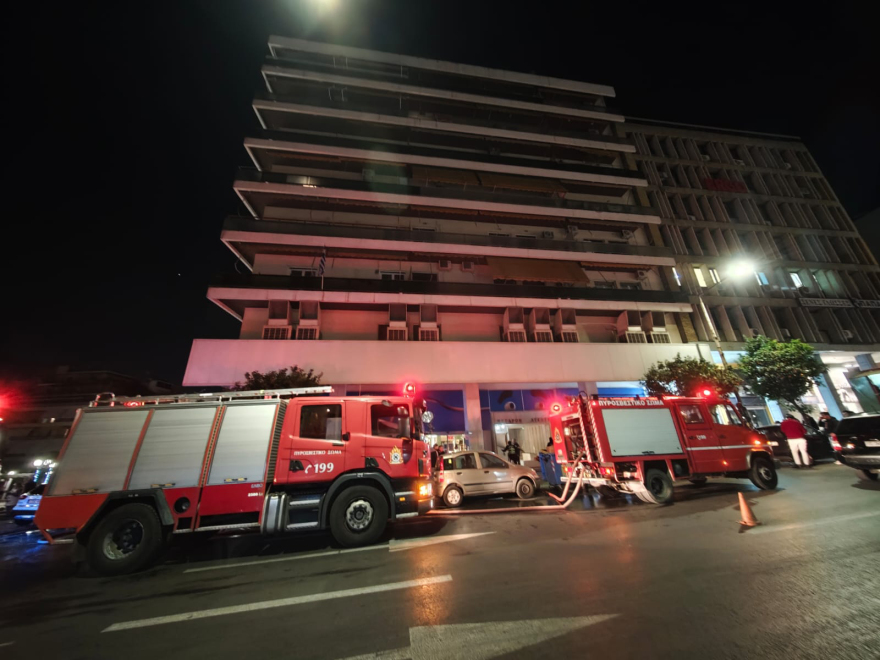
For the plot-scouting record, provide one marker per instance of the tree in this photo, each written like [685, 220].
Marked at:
[782, 371]
[689, 377]
[279, 379]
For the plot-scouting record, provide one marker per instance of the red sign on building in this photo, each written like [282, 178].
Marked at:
[725, 185]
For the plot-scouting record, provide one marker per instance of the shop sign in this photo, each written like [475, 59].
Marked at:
[630, 403]
[825, 302]
[725, 185]
[866, 304]
[525, 417]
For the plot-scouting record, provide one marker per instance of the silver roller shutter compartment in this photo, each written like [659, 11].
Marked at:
[173, 448]
[243, 443]
[641, 432]
[99, 452]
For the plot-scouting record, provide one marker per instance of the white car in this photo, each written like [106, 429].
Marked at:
[26, 508]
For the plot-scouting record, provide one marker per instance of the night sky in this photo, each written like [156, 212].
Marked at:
[130, 118]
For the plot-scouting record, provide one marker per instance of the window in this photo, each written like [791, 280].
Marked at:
[534, 238]
[698, 273]
[713, 273]
[691, 415]
[393, 275]
[602, 284]
[463, 462]
[424, 277]
[321, 422]
[495, 233]
[630, 286]
[725, 414]
[491, 461]
[796, 279]
[306, 332]
[390, 421]
[677, 276]
[304, 272]
[276, 332]
[762, 278]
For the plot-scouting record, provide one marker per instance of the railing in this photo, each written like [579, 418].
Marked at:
[547, 200]
[402, 234]
[351, 284]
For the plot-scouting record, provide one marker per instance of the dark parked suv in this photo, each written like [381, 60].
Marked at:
[818, 446]
[856, 443]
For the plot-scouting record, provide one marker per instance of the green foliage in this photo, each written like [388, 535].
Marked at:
[688, 377]
[279, 379]
[783, 371]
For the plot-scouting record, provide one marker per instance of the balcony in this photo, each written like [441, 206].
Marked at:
[251, 183]
[224, 361]
[246, 235]
[363, 285]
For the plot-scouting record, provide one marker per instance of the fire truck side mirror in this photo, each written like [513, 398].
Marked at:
[346, 436]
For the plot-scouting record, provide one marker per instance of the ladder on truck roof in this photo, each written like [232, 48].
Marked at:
[110, 399]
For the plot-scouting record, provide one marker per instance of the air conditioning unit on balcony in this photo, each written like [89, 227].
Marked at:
[629, 328]
[642, 274]
[467, 266]
[514, 328]
[397, 334]
[517, 336]
[565, 325]
[306, 332]
[660, 338]
[539, 325]
[547, 234]
[636, 338]
[627, 234]
[276, 332]
[429, 334]
[445, 264]
[309, 320]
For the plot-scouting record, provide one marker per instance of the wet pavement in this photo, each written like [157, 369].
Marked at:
[609, 578]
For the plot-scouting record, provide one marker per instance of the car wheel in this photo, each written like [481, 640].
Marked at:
[699, 482]
[126, 540]
[659, 488]
[763, 473]
[358, 516]
[525, 489]
[452, 497]
[867, 475]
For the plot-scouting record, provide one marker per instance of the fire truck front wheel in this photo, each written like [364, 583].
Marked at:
[658, 487]
[358, 516]
[126, 540]
[763, 473]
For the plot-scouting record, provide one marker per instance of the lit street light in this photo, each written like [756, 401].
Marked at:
[736, 270]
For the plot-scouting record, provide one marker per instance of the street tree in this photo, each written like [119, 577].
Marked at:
[782, 371]
[684, 376]
[279, 379]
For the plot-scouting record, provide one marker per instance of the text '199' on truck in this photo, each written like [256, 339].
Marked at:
[134, 471]
[642, 445]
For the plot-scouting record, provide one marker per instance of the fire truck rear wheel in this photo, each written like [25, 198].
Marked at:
[126, 540]
[659, 487]
[358, 516]
[763, 473]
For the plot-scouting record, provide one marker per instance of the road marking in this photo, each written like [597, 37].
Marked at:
[481, 641]
[281, 602]
[409, 544]
[328, 553]
[814, 523]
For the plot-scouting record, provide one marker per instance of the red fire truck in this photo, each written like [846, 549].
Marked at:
[642, 445]
[135, 470]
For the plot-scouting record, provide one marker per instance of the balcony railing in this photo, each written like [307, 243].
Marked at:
[395, 234]
[363, 285]
[469, 194]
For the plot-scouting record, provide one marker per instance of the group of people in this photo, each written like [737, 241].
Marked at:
[796, 431]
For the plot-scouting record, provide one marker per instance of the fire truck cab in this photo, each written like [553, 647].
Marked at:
[642, 445]
[135, 470]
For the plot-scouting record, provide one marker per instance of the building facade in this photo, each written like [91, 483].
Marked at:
[726, 196]
[483, 233]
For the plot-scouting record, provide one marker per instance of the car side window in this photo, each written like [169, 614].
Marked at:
[490, 461]
[691, 414]
[321, 422]
[465, 462]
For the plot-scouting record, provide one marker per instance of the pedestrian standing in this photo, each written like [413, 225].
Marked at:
[797, 440]
[517, 453]
[828, 422]
[508, 450]
[810, 422]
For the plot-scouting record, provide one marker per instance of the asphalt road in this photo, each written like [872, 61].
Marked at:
[608, 580]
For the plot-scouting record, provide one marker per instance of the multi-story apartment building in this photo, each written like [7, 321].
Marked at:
[482, 232]
[726, 196]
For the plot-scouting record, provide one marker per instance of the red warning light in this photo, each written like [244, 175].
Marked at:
[556, 408]
[409, 389]
[133, 404]
[707, 392]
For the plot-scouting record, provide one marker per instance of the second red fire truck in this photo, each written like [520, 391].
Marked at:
[135, 470]
[642, 445]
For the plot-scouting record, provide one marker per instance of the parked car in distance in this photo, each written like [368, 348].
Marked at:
[818, 444]
[26, 508]
[468, 473]
[856, 443]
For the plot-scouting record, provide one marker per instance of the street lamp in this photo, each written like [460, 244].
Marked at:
[736, 270]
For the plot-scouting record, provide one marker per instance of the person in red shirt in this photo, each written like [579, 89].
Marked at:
[797, 441]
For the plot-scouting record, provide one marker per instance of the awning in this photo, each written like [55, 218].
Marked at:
[536, 270]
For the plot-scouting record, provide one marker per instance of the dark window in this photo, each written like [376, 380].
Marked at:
[390, 421]
[424, 277]
[859, 425]
[691, 414]
[322, 422]
[463, 462]
[490, 461]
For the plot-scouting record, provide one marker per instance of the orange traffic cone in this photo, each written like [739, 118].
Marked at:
[745, 511]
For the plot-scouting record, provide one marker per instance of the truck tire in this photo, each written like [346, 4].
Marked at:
[452, 497]
[763, 473]
[867, 475]
[659, 488]
[525, 489]
[358, 516]
[125, 540]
